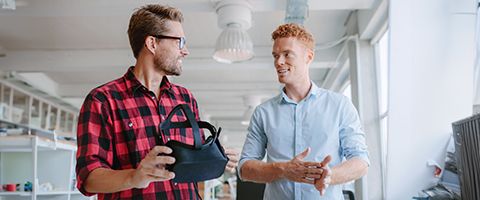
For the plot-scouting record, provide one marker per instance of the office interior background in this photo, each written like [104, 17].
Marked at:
[407, 65]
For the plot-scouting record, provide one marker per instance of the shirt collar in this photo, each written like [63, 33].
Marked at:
[133, 84]
[314, 92]
[166, 85]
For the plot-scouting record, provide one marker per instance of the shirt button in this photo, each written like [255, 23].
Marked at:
[175, 184]
[168, 139]
[130, 124]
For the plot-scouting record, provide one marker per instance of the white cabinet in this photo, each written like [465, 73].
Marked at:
[36, 114]
[33, 146]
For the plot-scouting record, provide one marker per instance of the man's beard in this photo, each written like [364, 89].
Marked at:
[169, 66]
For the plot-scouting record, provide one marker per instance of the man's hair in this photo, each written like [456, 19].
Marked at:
[150, 20]
[296, 31]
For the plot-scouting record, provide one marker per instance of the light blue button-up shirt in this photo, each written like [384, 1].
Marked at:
[281, 128]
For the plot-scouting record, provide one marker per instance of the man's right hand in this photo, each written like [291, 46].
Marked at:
[300, 171]
[152, 168]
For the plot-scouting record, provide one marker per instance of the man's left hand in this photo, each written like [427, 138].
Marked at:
[324, 181]
[232, 155]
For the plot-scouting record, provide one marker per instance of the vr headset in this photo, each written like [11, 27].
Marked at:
[199, 162]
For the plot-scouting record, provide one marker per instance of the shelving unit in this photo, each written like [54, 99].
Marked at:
[33, 146]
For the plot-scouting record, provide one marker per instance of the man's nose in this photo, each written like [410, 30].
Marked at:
[279, 61]
[184, 51]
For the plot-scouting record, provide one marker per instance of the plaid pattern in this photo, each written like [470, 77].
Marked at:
[119, 124]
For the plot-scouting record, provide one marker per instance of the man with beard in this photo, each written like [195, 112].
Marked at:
[303, 131]
[118, 132]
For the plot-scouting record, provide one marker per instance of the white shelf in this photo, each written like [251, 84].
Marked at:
[39, 193]
[30, 129]
[24, 143]
[15, 193]
[53, 193]
[15, 144]
[39, 152]
[76, 192]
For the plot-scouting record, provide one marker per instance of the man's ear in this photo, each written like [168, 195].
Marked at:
[150, 44]
[310, 55]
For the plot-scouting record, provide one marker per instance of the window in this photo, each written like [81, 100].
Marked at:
[382, 66]
[347, 90]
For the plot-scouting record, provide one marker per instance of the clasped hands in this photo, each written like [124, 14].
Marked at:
[316, 173]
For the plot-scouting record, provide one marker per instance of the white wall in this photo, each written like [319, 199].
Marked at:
[476, 77]
[431, 81]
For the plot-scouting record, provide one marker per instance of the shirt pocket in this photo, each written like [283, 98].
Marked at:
[132, 143]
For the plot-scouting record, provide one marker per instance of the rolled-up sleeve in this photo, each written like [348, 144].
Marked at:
[93, 139]
[352, 137]
[255, 143]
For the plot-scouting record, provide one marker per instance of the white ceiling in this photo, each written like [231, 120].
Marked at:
[81, 44]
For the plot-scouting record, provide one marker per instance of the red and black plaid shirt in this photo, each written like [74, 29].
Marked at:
[119, 124]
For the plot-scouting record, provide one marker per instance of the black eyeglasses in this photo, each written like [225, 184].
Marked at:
[181, 40]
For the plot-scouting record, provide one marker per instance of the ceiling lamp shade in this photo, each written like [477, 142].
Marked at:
[234, 44]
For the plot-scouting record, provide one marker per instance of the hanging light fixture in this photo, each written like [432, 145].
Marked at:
[234, 43]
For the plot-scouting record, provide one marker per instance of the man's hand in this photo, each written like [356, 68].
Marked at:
[299, 171]
[324, 181]
[152, 168]
[232, 155]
